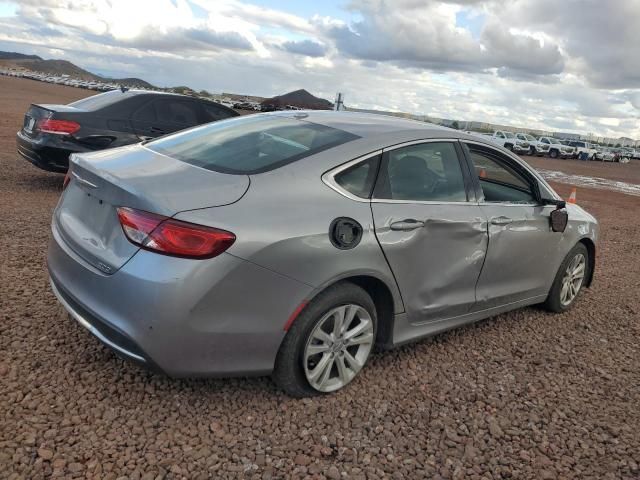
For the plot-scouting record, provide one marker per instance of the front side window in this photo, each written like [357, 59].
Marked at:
[250, 144]
[499, 181]
[423, 172]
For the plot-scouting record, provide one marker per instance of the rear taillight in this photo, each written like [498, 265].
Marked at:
[59, 127]
[173, 237]
[67, 179]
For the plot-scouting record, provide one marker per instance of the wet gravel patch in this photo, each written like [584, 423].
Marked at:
[525, 395]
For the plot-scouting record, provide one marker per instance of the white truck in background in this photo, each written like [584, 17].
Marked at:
[535, 147]
[509, 141]
[584, 148]
[557, 149]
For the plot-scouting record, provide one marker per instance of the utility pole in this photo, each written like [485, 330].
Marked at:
[339, 103]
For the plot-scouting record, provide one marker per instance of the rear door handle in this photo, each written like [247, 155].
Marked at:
[501, 220]
[406, 225]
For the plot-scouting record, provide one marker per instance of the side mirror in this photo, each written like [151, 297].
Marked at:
[559, 218]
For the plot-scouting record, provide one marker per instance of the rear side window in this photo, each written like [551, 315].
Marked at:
[424, 172]
[146, 113]
[96, 102]
[250, 144]
[214, 112]
[177, 111]
[358, 180]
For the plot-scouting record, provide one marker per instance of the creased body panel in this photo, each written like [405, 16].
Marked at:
[436, 266]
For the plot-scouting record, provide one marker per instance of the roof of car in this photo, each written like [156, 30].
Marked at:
[370, 124]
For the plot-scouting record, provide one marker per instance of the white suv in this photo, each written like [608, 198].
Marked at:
[557, 149]
[535, 147]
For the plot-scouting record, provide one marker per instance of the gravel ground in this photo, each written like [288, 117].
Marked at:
[523, 395]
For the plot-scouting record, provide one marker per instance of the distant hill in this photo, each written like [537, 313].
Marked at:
[17, 56]
[64, 67]
[301, 99]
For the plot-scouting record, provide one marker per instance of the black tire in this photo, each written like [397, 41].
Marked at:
[553, 153]
[508, 146]
[553, 303]
[532, 151]
[288, 372]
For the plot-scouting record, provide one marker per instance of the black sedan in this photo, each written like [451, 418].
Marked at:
[50, 133]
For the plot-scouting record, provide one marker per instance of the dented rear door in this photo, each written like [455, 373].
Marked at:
[435, 248]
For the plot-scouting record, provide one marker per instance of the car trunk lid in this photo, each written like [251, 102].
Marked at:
[86, 217]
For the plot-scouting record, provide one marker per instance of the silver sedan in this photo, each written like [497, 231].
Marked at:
[292, 244]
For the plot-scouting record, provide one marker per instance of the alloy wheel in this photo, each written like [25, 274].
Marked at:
[572, 280]
[338, 347]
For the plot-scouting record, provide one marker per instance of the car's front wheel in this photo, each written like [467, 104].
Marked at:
[328, 343]
[532, 150]
[569, 280]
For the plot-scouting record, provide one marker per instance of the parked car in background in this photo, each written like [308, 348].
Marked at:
[535, 147]
[509, 141]
[50, 133]
[189, 258]
[605, 154]
[584, 149]
[556, 148]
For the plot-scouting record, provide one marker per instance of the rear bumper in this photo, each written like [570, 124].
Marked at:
[50, 154]
[217, 317]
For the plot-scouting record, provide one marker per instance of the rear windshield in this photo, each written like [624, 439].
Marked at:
[250, 144]
[96, 102]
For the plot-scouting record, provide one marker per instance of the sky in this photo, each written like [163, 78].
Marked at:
[569, 65]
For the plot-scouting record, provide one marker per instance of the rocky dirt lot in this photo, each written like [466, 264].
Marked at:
[526, 395]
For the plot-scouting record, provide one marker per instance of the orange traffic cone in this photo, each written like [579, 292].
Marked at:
[572, 197]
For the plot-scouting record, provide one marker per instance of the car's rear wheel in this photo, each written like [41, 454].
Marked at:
[553, 154]
[532, 150]
[328, 343]
[569, 280]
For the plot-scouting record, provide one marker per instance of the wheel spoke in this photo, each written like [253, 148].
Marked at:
[362, 339]
[317, 348]
[338, 321]
[564, 291]
[322, 336]
[343, 371]
[327, 372]
[350, 315]
[354, 364]
[357, 330]
[324, 364]
[578, 272]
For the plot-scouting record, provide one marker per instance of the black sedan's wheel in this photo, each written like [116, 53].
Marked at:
[569, 280]
[328, 344]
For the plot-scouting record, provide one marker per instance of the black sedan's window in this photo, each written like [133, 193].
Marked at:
[97, 102]
[250, 144]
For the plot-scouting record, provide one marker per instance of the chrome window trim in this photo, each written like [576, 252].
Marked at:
[328, 178]
[417, 142]
[422, 202]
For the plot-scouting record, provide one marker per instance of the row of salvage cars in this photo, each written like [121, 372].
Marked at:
[525, 144]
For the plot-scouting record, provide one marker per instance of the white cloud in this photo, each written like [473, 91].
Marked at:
[536, 63]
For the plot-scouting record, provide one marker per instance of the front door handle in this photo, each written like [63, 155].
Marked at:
[406, 225]
[501, 220]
